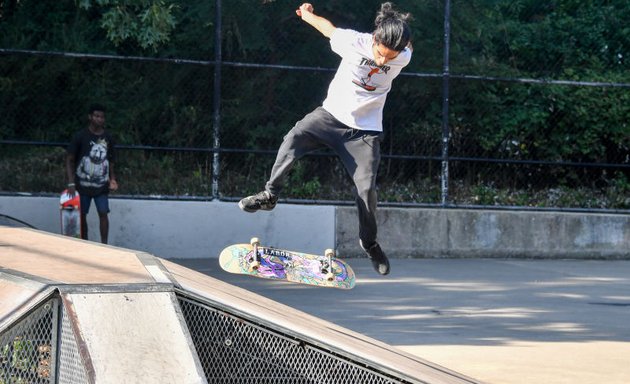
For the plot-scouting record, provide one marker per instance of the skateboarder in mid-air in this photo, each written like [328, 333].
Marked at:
[350, 119]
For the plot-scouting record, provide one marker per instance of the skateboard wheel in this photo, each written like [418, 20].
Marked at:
[329, 252]
[254, 241]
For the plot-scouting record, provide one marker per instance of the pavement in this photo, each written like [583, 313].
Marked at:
[508, 321]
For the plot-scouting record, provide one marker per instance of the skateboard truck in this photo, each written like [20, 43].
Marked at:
[329, 253]
[255, 260]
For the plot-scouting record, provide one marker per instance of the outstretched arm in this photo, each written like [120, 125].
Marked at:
[321, 24]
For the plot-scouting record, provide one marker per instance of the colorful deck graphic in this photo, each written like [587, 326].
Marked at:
[281, 264]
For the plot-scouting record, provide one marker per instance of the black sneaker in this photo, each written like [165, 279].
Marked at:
[262, 200]
[378, 258]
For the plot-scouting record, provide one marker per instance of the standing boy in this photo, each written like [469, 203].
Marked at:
[93, 175]
[350, 119]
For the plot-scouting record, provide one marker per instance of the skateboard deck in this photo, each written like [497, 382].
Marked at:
[280, 264]
[70, 207]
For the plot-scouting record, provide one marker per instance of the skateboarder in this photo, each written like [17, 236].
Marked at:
[350, 119]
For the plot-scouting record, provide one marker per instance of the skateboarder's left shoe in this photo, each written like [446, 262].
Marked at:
[378, 258]
[262, 200]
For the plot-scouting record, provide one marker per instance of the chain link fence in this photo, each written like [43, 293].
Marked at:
[505, 104]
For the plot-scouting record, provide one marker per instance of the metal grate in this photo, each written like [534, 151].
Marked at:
[26, 348]
[231, 349]
[234, 350]
[71, 369]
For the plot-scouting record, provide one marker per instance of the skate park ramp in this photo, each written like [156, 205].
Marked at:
[73, 311]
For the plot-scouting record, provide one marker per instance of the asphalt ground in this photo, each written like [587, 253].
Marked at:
[503, 321]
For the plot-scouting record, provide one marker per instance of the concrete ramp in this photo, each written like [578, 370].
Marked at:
[79, 312]
[133, 334]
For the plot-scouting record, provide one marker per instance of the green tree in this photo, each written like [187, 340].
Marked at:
[148, 23]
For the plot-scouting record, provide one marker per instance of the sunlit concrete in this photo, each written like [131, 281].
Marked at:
[498, 320]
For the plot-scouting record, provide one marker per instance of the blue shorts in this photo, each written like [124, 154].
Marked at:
[101, 202]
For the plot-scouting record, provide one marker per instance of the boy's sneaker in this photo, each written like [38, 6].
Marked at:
[262, 200]
[378, 258]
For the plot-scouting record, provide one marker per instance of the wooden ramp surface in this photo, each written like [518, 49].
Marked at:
[33, 262]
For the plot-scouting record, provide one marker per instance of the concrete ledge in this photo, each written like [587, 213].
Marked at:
[193, 229]
[188, 229]
[419, 232]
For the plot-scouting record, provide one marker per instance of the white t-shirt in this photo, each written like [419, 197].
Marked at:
[357, 93]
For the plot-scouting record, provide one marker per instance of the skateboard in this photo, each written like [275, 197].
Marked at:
[70, 207]
[279, 264]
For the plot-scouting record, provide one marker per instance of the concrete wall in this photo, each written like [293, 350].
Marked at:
[188, 229]
[405, 232]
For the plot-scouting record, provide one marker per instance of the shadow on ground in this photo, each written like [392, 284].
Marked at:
[465, 301]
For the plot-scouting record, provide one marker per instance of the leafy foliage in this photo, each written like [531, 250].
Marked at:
[149, 23]
[170, 104]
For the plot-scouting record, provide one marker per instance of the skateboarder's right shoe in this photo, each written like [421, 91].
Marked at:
[260, 201]
[377, 256]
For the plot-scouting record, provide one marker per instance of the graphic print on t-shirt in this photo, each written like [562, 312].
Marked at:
[93, 169]
[366, 82]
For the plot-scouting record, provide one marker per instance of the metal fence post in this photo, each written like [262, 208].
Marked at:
[216, 102]
[445, 101]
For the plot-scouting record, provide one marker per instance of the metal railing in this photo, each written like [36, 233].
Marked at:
[41, 348]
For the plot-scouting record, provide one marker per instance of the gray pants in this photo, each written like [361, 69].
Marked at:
[358, 150]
